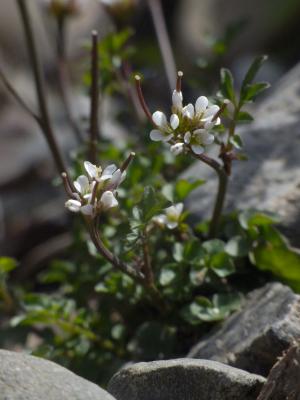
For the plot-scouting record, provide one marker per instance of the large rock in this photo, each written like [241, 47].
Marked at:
[283, 381]
[184, 379]
[255, 337]
[196, 19]
[24, 377]
[270, 179]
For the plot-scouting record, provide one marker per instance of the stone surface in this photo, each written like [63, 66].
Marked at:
[283, 381]
[270, 179]
[184, 379]
[24, 377]
[263, 22]
[253, 338]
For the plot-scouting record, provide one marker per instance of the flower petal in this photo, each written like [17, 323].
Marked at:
[197, 149]
[108, 200]
[211, 111]
[73, 205]
[82, 184]
[116, 179]
[109, 170]
[177, 99]
[87, 209]
[91, 169]
[174, 121]
[172, 224]
[204, 137]
[177, 148]
[160, 219]
[160, 119]
[156, 135]
[201, 104]
[187, 137]
[179, 208]
[188, 111]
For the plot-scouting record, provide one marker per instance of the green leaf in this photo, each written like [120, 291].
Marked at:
[166, 276]
[227, 302]
[178, 252]
[253, 90]
[251, 218]
[153, 341]
[152, 203]
[252, 71]
[282, 261]
[227, 85]
[184, 187]
[244, 116]
[238, 246]
[222, 265]
[213, 246]
[7, 264]
[236, 141]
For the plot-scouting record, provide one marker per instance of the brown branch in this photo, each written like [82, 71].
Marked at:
[142, 99]
[44, 120]
[94, 120]
[16, 96]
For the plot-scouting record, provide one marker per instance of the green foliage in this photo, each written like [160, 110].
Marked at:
[91, 316]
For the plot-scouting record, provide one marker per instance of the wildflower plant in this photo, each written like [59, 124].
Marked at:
[143, 280]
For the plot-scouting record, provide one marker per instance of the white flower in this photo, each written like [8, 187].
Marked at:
[198, 140]
[165, 130]
[97, 191]
[177, 148]
[171, 217]
[189, 125]
[108, 200]
[177, 101]
[205, 113]
[111, 177]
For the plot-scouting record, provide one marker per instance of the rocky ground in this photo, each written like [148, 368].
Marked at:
[249, 344]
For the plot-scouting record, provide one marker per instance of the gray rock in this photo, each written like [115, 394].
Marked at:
[24, 377]
[255, 337]
[196, 19]
[184, 379]
[270, 179]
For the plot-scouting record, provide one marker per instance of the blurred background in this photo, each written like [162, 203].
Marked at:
[205, 35]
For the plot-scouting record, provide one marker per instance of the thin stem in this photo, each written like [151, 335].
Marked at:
[221, 194]
[114, 260]
[16, 96]
[219, 204]
[67, 185]
[135, 274]
[179, 81]
[130, 92]
[159, 22]
[44, 120]
[147, 260]
[94, 120]
[63, 77]
[126, 163]
[142, 99]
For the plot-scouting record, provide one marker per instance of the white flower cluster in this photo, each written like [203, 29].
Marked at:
[171, 216]
[96, 192]
[189, 126]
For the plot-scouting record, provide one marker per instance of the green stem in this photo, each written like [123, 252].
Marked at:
[221, 194]
[219, 204]
[44, 120]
